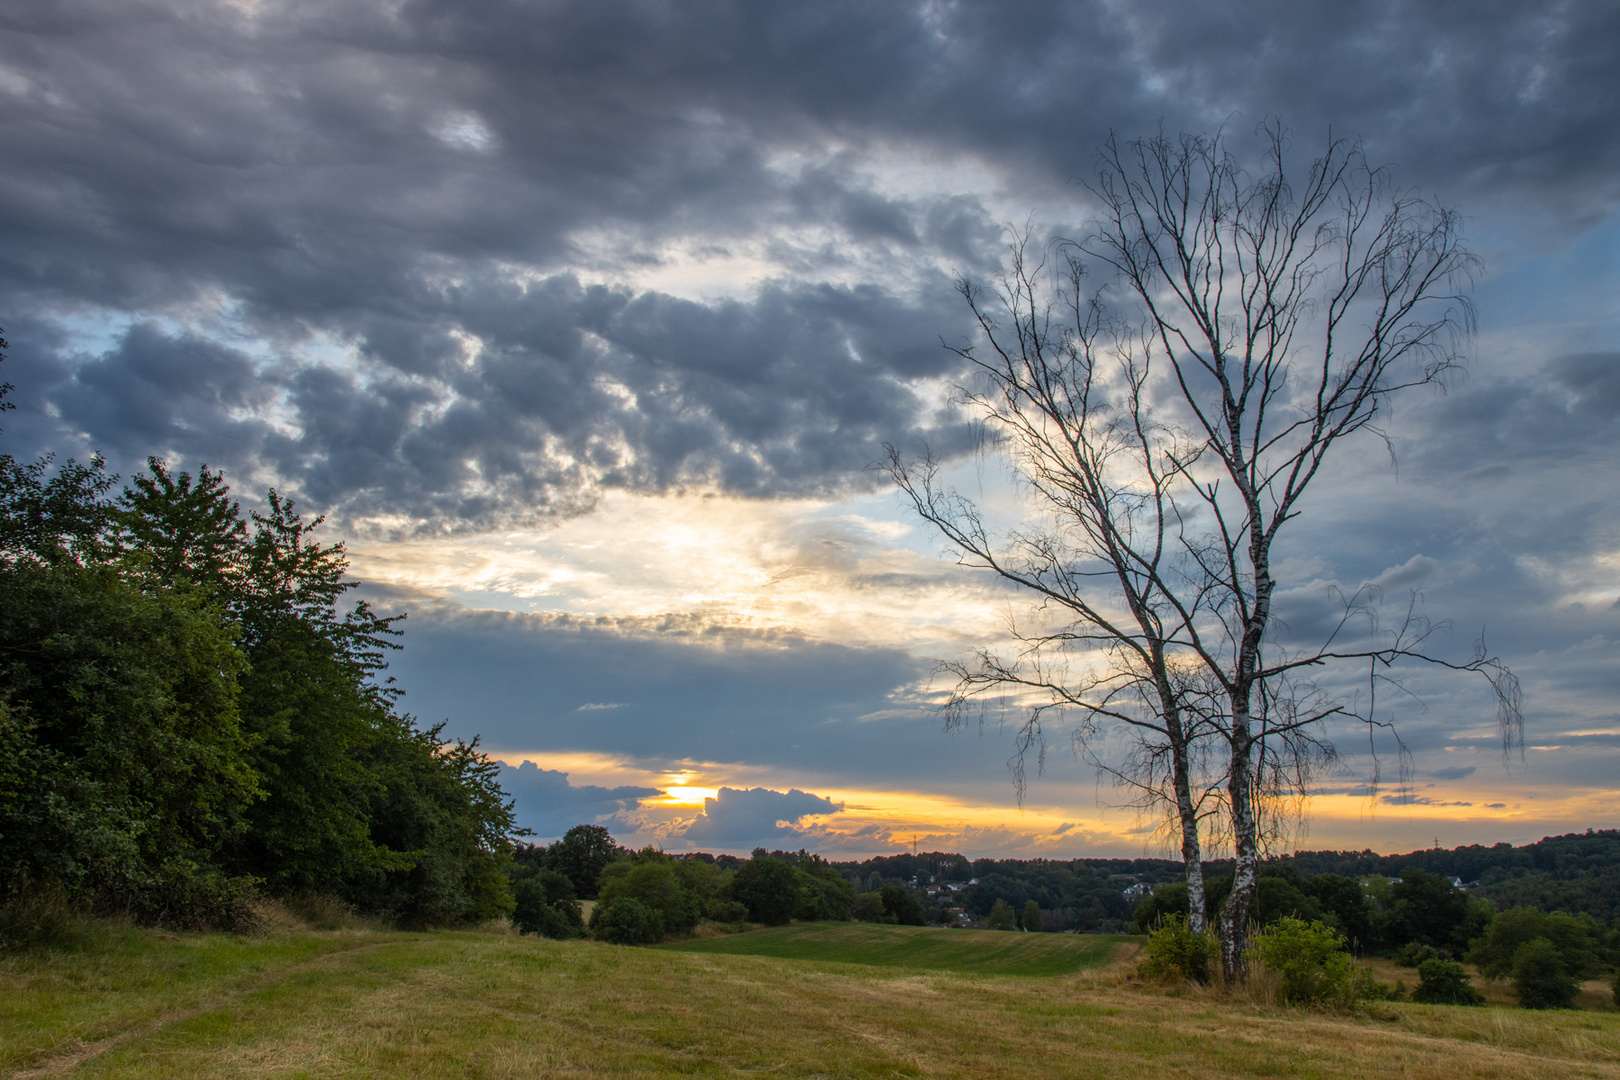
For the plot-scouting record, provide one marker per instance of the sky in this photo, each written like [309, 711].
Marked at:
[585, 323]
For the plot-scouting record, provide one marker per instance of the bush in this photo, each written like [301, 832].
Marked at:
[624, 920]
[1176, 954]
[1309, 964]
[1444, 982]
[545, 905]
[1540, 978]
[727, 911]
[1412, 954]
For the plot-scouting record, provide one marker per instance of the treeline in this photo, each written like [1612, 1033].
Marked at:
[643, 897]
[1578, 873]
[1083, 895]
[190, 719]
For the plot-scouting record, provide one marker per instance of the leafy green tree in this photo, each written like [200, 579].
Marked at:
[1030, 919]
[824, 893]
[769, 887]
[54, 516]
[868, 907]
[1578, 940]
[544, 904]
[1540, 978]
[189, 531]
[1163, 903]
[650, 877]
[126, 774]
[624, 920]
[1342, 903]
[1445, 982]
[905, 906]
[1002, 917]
[1428, 909]
[582, 854]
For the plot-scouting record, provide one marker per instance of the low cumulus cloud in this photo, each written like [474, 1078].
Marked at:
[738, 817]
[548, 805]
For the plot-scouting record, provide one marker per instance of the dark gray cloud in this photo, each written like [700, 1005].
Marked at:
[427, 183]
[548, 805]
[684, 690]
[738, 817]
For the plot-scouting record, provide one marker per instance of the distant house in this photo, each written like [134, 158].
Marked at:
[1138, 891]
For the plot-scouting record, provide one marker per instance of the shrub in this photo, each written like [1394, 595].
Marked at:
[1413, 954]
[728, 911]
[545, 905]
[1444, 982]
[1309, 964]
[624, 920]
[1175, 953]
[1540, 978]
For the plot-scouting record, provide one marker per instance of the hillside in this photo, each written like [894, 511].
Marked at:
[365, 1003]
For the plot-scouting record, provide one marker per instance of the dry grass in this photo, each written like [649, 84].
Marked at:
[366, 1003]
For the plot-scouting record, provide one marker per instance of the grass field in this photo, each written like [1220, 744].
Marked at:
[368, 1003]
[982, 952]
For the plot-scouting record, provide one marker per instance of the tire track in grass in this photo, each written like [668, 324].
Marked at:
[59, 1062]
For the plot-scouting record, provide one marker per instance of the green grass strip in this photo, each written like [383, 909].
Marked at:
[979, 952]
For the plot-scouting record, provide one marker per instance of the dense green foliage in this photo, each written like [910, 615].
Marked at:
[1445, 982]
[1540, 977]
[769, 888]
[1575, 873]
[1174, 953]
[187, 718]
[544, 904]
[1310, 965]
[1580, 943]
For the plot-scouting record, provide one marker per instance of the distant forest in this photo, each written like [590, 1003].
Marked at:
[1577, 873]
[1422, 903]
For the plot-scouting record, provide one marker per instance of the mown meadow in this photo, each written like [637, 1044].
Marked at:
[868, 1001]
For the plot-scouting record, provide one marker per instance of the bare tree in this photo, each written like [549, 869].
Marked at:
[1168, 427]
